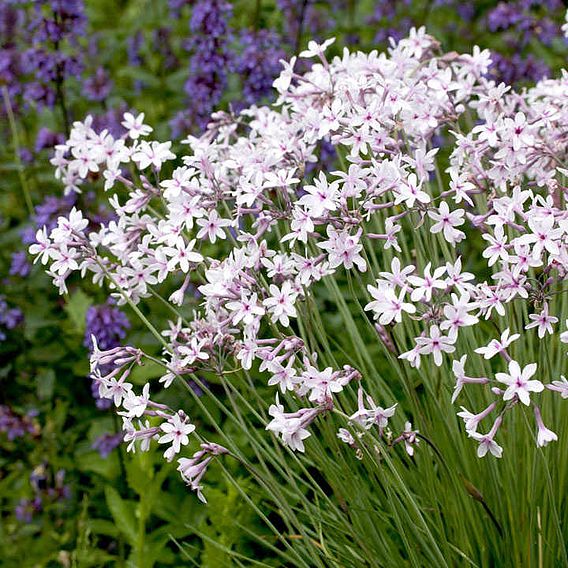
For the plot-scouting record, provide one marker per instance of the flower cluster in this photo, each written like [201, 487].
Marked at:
[279, 233]
[16, 425]
[49, 489]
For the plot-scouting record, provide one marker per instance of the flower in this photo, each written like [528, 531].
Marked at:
[135, 125]
[496, 346]
[344, 249]
[262, 178]
[487, 442]
[212, 227]
[435, 344]
[425, 286]
[471, 421]
[320, 197]
[543, 321]
[246, 309]
[410, 191]
[387, 306]
[374, 415]
[315, 49]
[280, 305]
[458, 368]
[176, 431]
[518, 383]
[446, 221]
[193, 469]
[292, 426]
[544, 435]
[560, 386]
[152, 154]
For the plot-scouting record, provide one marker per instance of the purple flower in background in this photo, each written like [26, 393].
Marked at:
[176, 6]
[327, 156]
[47, 139]
[15, 425]
[11, 23]
[162, 44]
[258, 63]
[49, 489]
[390, 20]
[106, 443]
[517, 68]
[107, 323]
[27, 508]
[20, 265]
[54, 29]
[209, 62]
[9, 317]
[97, 87]
[26, 156]
[384, 34]
[111, 120]
[135, 59]
[301, 20]
[503, 16]
[134, 49]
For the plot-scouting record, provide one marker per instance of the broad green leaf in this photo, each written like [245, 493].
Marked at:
[123, 514]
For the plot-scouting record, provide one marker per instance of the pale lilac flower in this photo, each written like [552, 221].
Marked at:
[135, 125]
[518, 383]
[436, 344]
[425, 286]
[458, 368]
[344, 249]
[487, 442]
[280, 305]
[152, 154]
[387, 306]
[315, 49]
[543, 321]
[544, 435]
[410, 191]
[560, 386]
[410, 438]
[282, 82]
[496, 346]
[345, 436]
[176, 432]
[320, 197]
[212, 227]
[246, 309]
[374, 415]
[497, 249]
[446, 221]
[182, 256]
[193, 469]
[292, 426]
[471, 421]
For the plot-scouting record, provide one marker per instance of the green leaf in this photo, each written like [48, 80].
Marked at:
[142, 373]
[45, 383]
[93, 462]
[123, 514]
[76, 309]
[102, 526]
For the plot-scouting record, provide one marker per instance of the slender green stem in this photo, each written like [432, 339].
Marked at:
[17, 147]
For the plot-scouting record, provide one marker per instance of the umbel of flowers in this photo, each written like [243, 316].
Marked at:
[391, 220]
